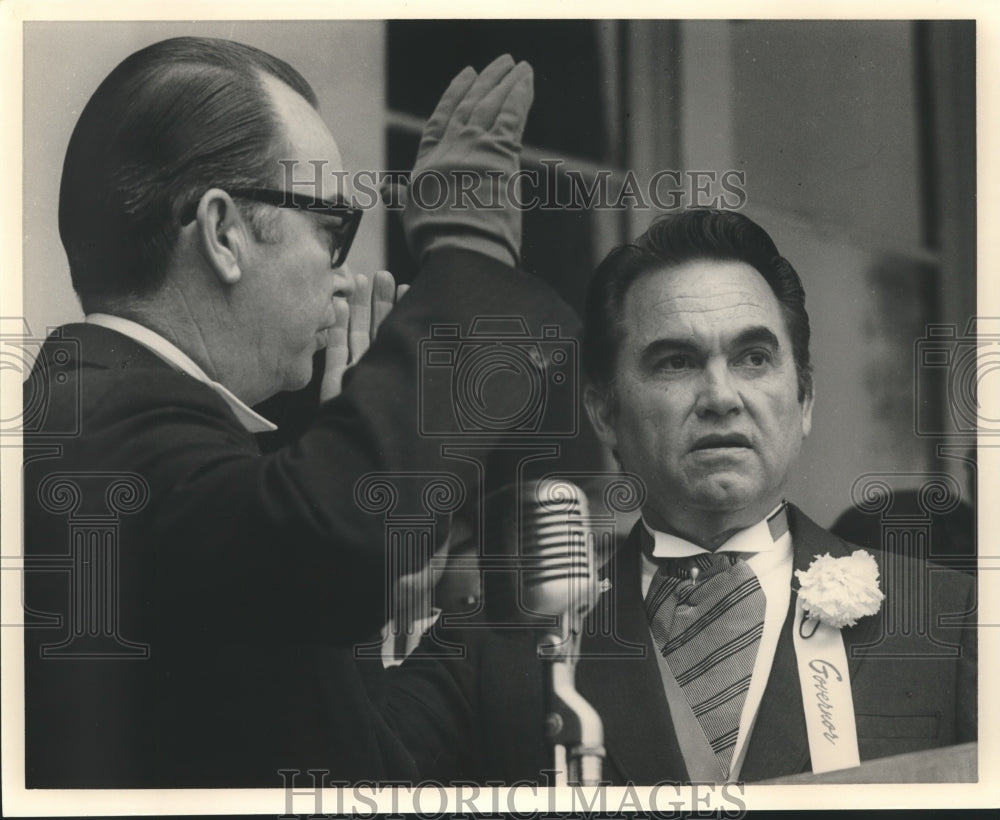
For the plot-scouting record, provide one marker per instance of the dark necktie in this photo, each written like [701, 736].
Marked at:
[708, 630]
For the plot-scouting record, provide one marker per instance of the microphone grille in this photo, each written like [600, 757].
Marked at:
[559, 576]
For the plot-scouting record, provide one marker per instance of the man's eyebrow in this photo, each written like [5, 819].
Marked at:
[756, 335]
[659, 347]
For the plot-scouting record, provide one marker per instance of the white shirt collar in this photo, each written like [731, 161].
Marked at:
[757, 538]
[252, 421]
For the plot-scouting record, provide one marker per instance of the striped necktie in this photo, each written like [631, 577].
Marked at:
[707, 623]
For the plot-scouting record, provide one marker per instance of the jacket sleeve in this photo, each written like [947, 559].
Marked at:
[280, 540]
[432, 705]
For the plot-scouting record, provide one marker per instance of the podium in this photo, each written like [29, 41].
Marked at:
[951, 764]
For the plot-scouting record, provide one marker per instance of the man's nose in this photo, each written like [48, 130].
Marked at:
[718, 394]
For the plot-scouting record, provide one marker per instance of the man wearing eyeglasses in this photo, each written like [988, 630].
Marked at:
[191, 603]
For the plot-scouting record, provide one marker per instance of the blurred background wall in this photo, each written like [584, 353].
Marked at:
[853, 144]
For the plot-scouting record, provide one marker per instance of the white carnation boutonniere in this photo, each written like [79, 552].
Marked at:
[838, 591]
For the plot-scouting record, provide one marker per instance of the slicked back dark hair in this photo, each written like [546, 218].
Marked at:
[171, 121]
[673, 240]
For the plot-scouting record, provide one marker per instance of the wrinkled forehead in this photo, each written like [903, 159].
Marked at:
[309, 160]
[713, 298]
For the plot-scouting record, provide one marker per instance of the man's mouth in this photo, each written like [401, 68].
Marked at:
[719, 441]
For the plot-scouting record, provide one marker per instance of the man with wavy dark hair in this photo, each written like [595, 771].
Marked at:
[736, 639]
[691, 235]
[201, 632]
[775, 652]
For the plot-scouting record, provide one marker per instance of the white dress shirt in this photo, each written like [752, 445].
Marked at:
[771, 561]
[253, 422]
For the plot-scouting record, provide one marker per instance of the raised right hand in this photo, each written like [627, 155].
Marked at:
[471, 145]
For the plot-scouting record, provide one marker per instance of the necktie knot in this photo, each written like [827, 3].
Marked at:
[697, 567]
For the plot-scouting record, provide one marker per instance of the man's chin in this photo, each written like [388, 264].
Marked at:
[299, 379]
[725, 492]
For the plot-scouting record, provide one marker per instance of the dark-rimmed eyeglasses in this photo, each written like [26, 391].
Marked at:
[349, 217]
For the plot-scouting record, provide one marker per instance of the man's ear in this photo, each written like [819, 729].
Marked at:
[602, 408]
[222, 234]
[807, 413]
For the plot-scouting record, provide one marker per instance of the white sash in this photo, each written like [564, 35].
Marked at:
[702, 764]
[826, 693]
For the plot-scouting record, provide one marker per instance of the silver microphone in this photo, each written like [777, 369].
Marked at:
[558, 576]
[559, 579]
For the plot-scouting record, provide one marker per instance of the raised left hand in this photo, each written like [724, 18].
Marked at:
[358, 321]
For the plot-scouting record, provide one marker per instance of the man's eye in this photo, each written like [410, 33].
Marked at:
[755, 358]
[676, 362]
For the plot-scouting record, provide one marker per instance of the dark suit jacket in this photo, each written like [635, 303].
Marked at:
[215, 647]
[913, 676]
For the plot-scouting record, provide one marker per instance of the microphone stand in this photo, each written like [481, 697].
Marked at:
[572, 726]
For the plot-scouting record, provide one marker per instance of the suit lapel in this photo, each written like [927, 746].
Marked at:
[779, 744]
[623, 682]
